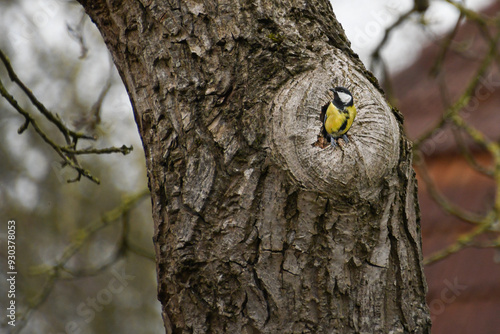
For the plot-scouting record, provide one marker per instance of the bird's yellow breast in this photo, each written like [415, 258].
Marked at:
[338, 122]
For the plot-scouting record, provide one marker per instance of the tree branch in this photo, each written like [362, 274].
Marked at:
[83, 236]
[68, 152]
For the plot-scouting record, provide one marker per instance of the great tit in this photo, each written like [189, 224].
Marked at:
[339, 115]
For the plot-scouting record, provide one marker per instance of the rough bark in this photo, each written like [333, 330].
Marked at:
[256, 229]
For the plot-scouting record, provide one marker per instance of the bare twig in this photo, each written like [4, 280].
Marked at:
[442, 200]
[438, 63]
[69, 151]
[451, 114]
[462, 242]
[55, 272]
[465, 151]
[375, 57]
[76, 32]
[465, 97]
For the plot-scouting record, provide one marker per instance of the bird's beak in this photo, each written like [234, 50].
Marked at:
[333, 90]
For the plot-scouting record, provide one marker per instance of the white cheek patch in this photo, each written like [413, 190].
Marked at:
[345, 98]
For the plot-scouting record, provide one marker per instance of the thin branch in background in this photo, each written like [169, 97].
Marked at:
[472, 15]
[123, 150]
[388, 87]
[492, 147]
[54, 119]
[463, 241]
[120, 251]
[93, 118]
[451, 115]
[443, 202]
[445, 46]
[487, 244]
[96, 107]
[55, 272]
[127, 245]
[140, 252]
[67, 152]
[437, 71]
[76, 32]
[466, 153]
[375, 56]
[443, 88]
[67, 160]
[464, 99]
[421, 5]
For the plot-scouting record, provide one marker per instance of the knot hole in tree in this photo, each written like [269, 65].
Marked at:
[356, 169]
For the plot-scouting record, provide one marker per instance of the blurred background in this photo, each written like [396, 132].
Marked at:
[85, 257]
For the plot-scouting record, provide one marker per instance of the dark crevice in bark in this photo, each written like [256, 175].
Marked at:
[267, 299]
[396, 268]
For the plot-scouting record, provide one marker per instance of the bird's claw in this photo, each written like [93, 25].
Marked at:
[333, 142]
[345, 138]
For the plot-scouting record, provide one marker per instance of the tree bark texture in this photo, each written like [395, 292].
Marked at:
[256, 229]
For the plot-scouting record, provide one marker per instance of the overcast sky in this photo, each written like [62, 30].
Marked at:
[363, 20]
[366, 20]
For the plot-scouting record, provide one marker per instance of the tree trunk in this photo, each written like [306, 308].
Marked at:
[258, 230]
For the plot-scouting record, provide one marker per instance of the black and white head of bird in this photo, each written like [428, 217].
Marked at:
[342, 97]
